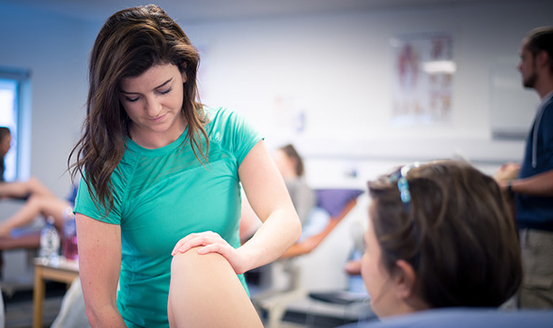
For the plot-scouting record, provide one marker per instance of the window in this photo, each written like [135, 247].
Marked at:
[14, 114]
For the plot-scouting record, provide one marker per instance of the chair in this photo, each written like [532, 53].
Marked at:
[338, 203]
[26, 238]
[352, 302]
[29, 242]
[464, 317]
[354, 299]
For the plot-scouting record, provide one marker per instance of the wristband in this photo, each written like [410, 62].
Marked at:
[510, 187]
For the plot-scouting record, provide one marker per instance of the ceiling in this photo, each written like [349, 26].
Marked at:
[207, 10]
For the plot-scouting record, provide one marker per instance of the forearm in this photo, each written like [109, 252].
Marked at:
[106, 316]
[100, 298]
[279, 231]
[540, 185]
[99, 264]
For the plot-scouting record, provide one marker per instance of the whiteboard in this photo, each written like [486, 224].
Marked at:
[512, 106]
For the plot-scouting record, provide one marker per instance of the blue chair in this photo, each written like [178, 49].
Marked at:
[465, 318]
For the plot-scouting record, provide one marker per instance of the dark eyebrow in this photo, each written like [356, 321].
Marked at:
[159, 86]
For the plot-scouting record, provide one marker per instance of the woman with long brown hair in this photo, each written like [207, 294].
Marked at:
[162, 173]
[440, 235]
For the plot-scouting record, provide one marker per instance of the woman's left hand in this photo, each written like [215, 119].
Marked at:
[212, 242]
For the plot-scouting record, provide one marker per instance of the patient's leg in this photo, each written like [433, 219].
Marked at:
[36, 205]
[20, 189]
[206, 292]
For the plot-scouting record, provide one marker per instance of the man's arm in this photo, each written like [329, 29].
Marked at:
[540, 185]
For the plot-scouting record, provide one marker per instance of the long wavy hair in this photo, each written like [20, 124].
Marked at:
[130, 42]
[457, 234]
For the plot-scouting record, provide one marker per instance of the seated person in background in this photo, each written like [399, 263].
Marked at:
[439, 235]
[17, 189]
[23, 189]
[5, 145]
[353, 264]
[290, 165]
[39, 201]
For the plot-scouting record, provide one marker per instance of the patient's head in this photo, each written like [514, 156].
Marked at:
[289, 162]
[440, 235]
[5, 141]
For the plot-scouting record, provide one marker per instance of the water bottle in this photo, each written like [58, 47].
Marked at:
[69, 243]
[49, 242]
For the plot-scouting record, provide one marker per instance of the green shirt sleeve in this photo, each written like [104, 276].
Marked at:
[85, 203]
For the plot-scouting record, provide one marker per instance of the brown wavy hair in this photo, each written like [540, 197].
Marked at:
[130, 42]
[457, 234]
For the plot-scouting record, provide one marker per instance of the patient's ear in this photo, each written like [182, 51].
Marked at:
[404, 280]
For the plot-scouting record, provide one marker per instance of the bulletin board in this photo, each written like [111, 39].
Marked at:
[423, 77]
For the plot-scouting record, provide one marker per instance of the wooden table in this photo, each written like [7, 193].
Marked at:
[65, 271]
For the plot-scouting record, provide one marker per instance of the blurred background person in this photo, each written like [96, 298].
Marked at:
[531, 183]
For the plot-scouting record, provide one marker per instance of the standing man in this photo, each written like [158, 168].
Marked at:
[533, 188]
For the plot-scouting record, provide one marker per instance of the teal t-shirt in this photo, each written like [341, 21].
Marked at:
[160, 196]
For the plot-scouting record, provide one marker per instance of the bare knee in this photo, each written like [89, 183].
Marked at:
[39, 203]
[206, 292]
[190, 262]
[32, 185]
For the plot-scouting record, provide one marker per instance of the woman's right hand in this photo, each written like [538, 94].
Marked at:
[211, 242]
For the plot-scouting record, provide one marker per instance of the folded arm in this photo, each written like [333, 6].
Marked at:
[270, 200]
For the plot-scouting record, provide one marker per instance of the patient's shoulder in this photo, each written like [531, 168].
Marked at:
[465, 317]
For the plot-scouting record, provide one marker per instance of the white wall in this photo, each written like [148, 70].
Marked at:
[55, 50]
[339, 68]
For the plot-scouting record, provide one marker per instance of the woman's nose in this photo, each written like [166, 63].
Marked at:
[153, 106]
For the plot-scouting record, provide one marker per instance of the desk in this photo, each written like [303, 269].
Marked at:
[65, 271]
